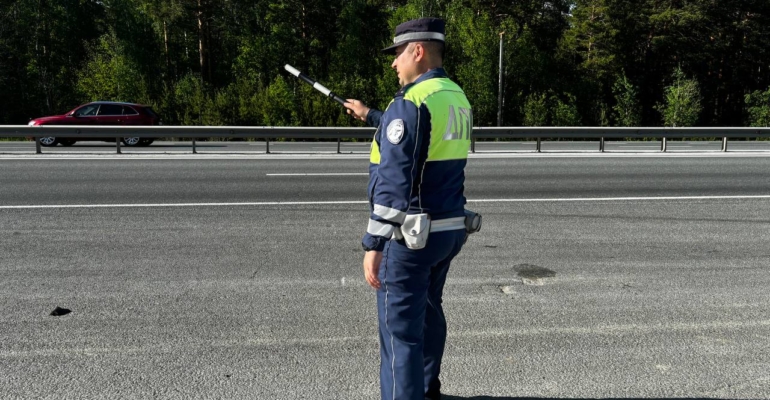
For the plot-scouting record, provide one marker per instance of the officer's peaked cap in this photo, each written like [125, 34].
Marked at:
[417, 30]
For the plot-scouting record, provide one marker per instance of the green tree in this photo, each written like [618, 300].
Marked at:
[758, 108]
[536, 110]
[277, 105]
[627, 110]
[682, 101]
[190, 100]
[110, 75]
[565, 113]
[591, 37]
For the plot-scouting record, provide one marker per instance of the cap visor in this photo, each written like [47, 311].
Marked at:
[391, 49]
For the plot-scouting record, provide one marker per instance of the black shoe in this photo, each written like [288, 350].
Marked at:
[434, 390]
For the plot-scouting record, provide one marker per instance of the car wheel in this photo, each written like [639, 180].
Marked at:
[49, 141]
[67, 142]
[132, 141]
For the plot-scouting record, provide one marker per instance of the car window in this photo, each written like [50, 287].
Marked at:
[110, 109]
[151, 112]
[129, 111]
[87, 110]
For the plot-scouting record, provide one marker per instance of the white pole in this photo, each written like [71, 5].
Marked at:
[500, 86]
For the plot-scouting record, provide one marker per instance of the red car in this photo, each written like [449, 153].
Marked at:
[101, 113]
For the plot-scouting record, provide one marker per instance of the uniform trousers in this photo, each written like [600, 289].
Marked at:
[411, 318]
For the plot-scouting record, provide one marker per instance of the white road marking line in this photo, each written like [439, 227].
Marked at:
[304, 203]
[331, 148]
[619, 154]
[139, 205]
[324, 174]
[580, 199]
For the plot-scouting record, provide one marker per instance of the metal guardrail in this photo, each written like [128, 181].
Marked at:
[603, 133]
[274, 132]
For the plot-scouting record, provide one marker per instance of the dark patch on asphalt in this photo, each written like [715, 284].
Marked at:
[530, 271]
[58, 311]
[533, 275]
[490, 246]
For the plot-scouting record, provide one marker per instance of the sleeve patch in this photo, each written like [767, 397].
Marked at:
[395, 131]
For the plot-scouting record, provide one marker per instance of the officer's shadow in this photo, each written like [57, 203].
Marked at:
[448, 397]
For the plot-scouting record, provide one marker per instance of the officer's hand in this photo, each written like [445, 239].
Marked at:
[357, 109]
[372, 261]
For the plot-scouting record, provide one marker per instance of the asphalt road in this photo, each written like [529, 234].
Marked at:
[593, 277]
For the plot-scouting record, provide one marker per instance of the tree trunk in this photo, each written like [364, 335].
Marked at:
[591, 32]
[42, 50]
[208, 46]
[201, 39]
[165, 47]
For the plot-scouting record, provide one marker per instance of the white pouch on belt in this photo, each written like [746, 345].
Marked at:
[415, 230]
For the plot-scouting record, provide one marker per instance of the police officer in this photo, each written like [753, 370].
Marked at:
[416, 177]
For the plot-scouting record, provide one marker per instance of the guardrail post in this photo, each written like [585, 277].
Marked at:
[117, 145]
[473, 144]
[195, 151]
[538, 145]
[601, 145]
[724, 144]
[339, 140]
[38, 149]
[663, 145]
[267, 146]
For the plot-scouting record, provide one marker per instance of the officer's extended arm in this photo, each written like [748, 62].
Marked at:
[397, 172]
[361, 112]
